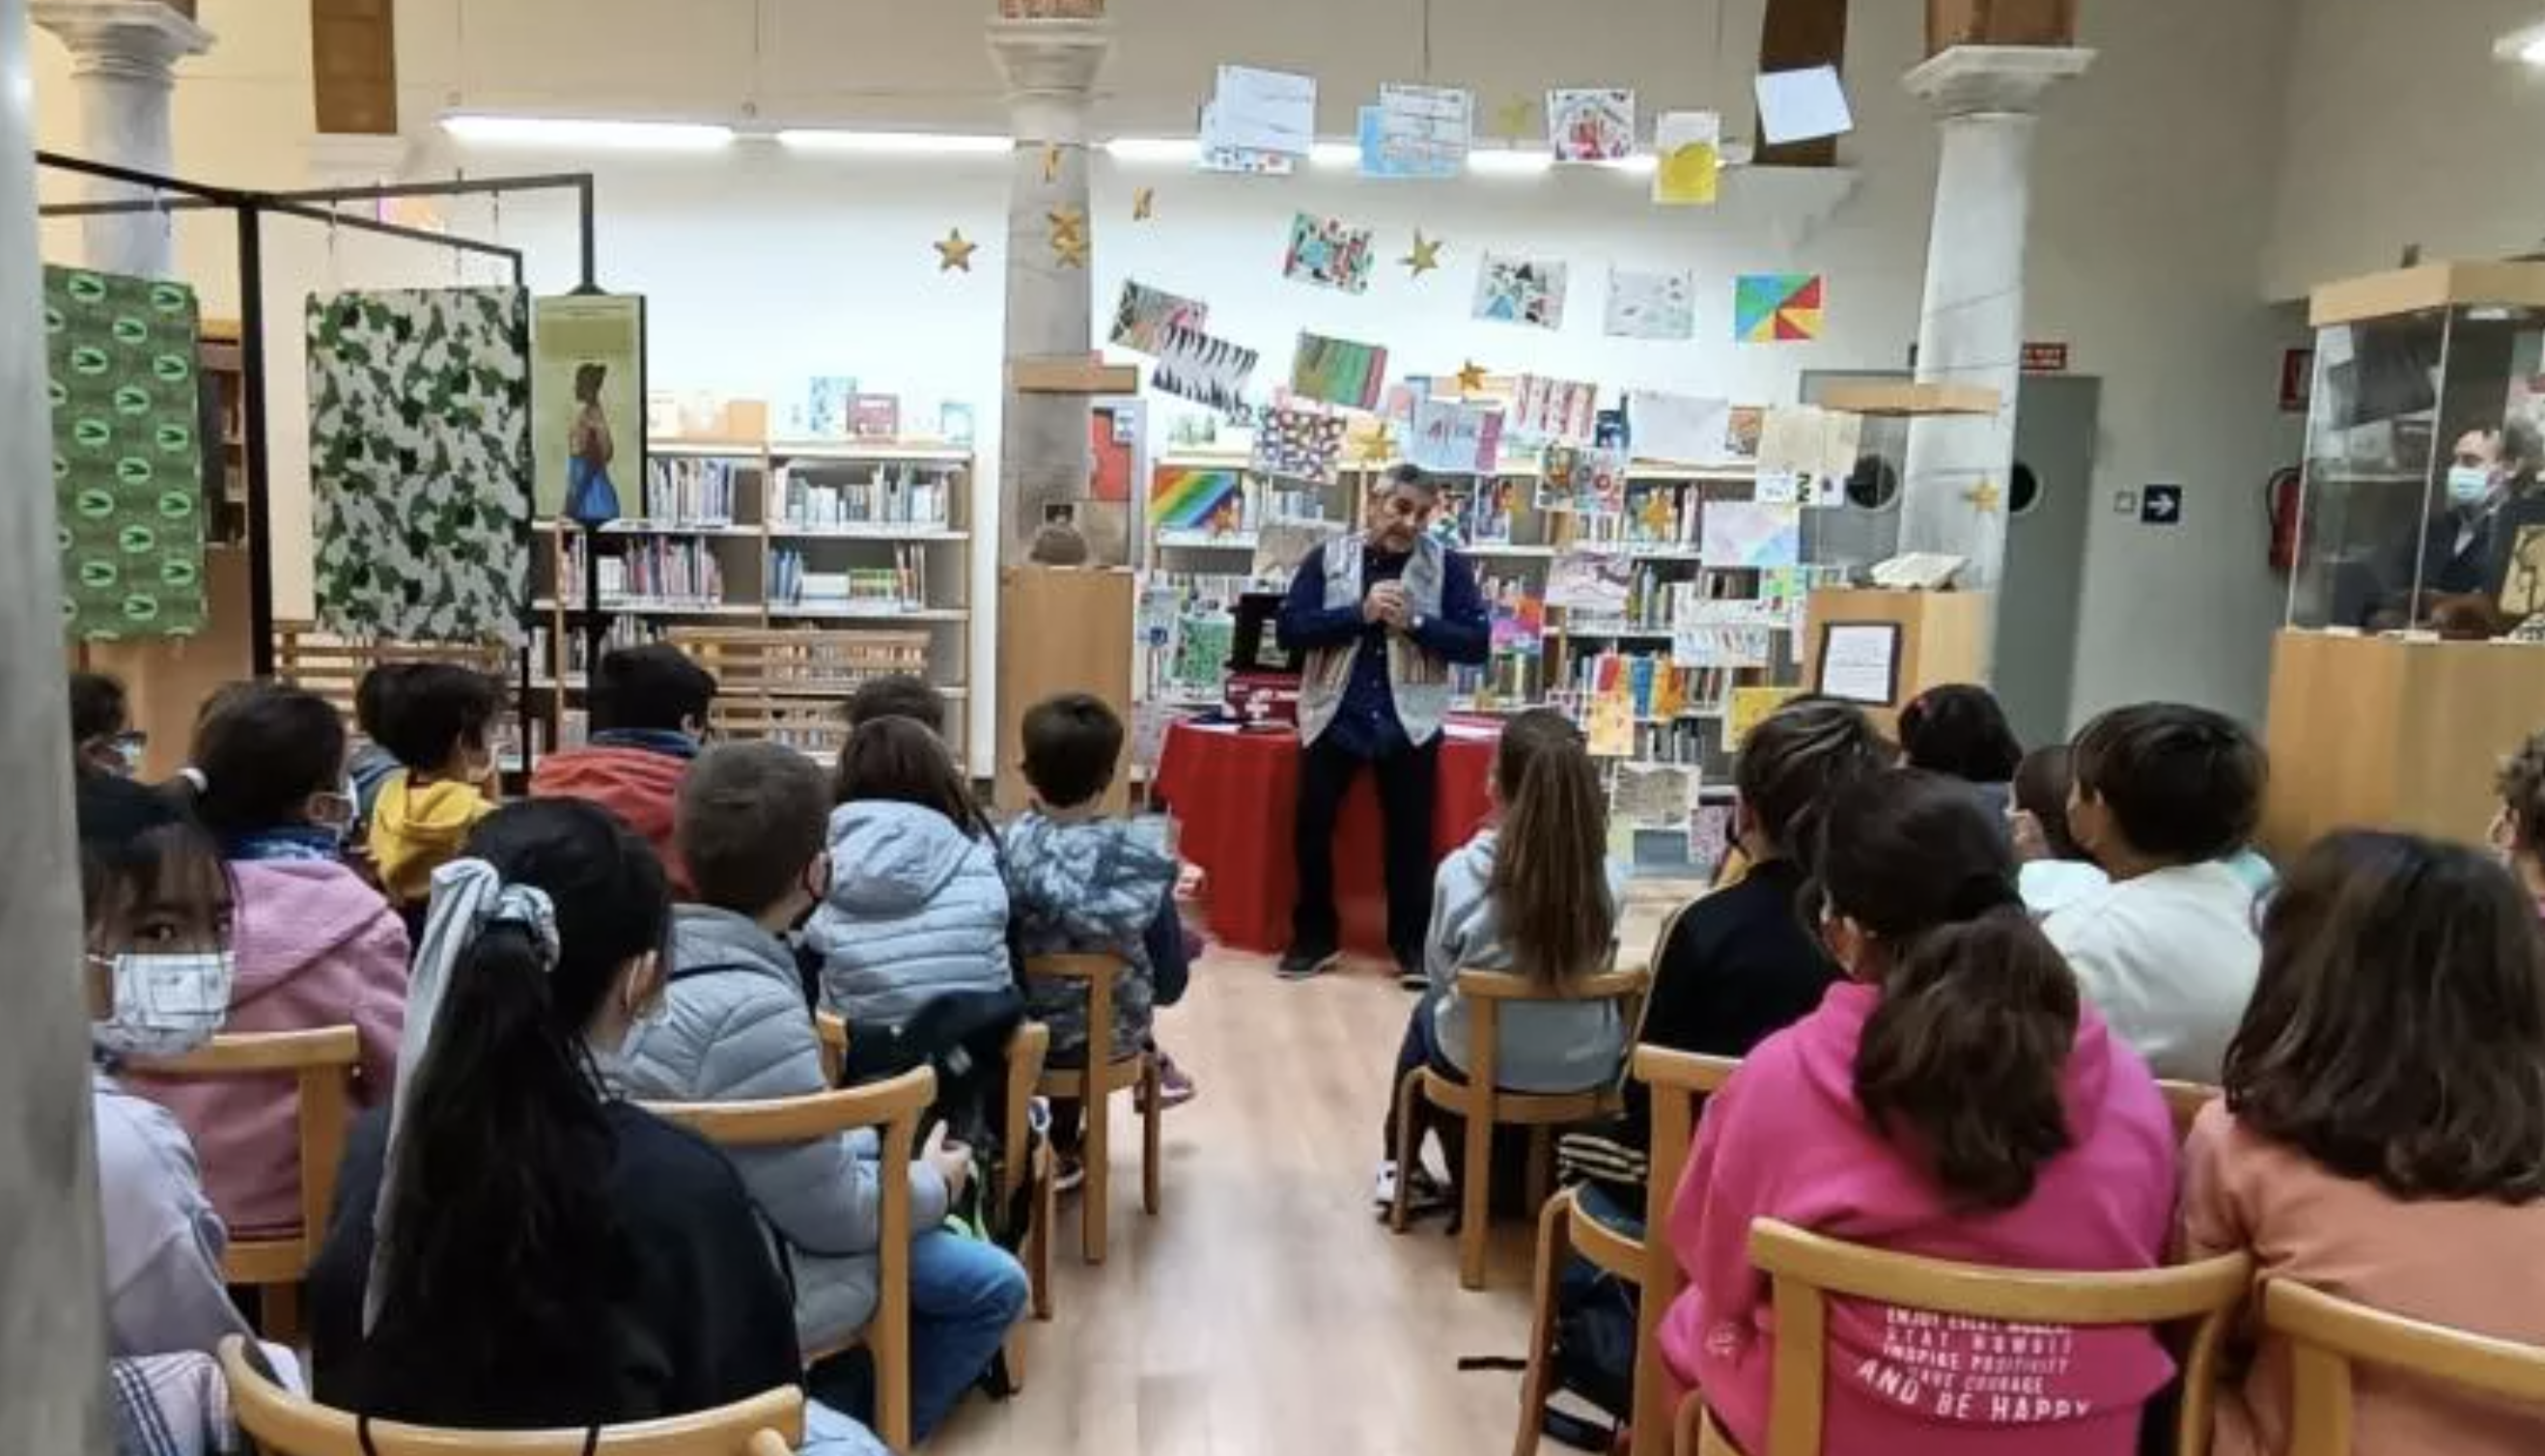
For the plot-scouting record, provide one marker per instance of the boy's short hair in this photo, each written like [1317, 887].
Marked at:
[1072, 743]
[656, 686]
[750, 817]
[422, 712]
[2182, 784]
[897, 696]
[2521, 787]
[99, 708]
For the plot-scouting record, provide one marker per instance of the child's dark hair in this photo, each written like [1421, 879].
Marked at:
[263, 751]
[1550, 878]
[504, 1252]
[138, 846]
[2521, 787]
[1958, 729]
[897, 696]
[1963, 1059]
[2182, 784]
[1072, 743]
[2397, 1030]
[2041, 783]
[751, 816]
[99, 708]
[1789, 764]
[425, 713]
[653, 686]
[898, 759]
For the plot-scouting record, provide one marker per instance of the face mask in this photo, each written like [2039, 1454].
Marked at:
[128, 749]
[165, 1005]
[335, 812]
[2468, 484]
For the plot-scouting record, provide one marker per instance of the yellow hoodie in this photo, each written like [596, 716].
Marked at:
[415, 831]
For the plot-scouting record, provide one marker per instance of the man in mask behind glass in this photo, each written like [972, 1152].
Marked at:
[2489, 489]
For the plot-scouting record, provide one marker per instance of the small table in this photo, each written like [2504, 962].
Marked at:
[1235, 797]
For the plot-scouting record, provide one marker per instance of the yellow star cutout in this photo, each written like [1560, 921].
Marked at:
[956, 252]
[1471, 379]
[1071, 250]
[1425, 257]
[1067, 223]
[1144, 205]
[1379, 444]
[1983, 497]
[1051, 163]
[1512, 120]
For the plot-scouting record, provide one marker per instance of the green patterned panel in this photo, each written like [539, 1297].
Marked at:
[420, 463]
[127, 465]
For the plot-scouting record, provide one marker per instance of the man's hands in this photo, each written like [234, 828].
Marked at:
[952, 1159]
[1387, 603]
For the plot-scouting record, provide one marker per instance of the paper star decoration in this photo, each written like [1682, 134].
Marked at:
[1144, 205]
[1051, 162]
[956, 252]
[1983, 497]
[1425, 257]
[1472, 379]
[1378, 444]
[1069, 236]
[1072, 251]
[1512, 120]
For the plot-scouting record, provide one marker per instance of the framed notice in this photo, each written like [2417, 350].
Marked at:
[1860, 662]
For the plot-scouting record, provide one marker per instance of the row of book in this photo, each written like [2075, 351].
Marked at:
[1653, 687]
[911, 494]
[902, 586]
[682, 569]
[684, 491]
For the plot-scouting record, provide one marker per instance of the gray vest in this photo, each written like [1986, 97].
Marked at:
[1418, 680]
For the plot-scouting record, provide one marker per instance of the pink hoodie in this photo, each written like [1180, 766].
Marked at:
[317, 947]
[1785, 1139]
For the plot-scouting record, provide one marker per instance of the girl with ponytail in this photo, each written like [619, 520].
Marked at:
[513, 1246]
[1531, 893]
[1954, 1097]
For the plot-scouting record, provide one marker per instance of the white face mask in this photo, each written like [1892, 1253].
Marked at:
[165, 1005]
[2468, 484]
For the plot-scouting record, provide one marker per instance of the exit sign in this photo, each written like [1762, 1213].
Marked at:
[2045, 358]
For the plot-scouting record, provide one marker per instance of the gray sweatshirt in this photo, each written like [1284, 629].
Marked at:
[163, 1241]
[1546, 1048]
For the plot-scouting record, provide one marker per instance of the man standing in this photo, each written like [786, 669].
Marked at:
[1380, 617]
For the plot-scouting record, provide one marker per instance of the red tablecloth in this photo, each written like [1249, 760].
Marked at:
[1235, 796]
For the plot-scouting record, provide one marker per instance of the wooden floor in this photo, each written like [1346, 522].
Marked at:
[1266, 1310]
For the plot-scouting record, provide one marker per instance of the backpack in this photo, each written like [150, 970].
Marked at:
[1594, 1351]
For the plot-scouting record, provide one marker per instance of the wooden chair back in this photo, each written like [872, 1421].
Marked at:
[1808, 1270]
[2328, 1335]
[1678, 1081]
[1096, 972]
[893, 1108]
[1101, 1075]
[320, 1061]
[834, 1032]
[282, 1423]
[1486, 993]
[2184, 1099]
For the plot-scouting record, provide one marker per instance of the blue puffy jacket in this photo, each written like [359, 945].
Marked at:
[916, 909]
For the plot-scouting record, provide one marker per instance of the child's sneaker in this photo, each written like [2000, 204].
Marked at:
[1423, 1197]
[1068, 1172]
[1174, 1088]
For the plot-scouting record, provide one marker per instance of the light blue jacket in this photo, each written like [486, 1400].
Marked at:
[916, 909]
[1092, 885]
[1555, 1047]
[734, 1028]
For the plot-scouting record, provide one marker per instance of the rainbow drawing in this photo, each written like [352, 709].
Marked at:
[1777, 307]
[1184, 499]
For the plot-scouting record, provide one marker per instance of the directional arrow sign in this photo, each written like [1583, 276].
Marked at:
[2161, 505]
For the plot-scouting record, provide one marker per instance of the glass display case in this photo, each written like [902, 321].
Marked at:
[2423, 507]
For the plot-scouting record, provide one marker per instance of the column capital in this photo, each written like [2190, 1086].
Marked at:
[1051, 67]
[1979, 80]
[131, 40]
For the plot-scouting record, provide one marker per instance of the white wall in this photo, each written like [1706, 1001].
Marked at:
[760, 267]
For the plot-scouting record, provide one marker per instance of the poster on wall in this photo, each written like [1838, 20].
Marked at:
[1559, 408]
[1650, 305]
[420, 512]
[121, 353]
[1513, 290]
[1298, 445]
[1777, 307]
[1144, 310]
[1203, 367]
[1337, 372]
[586, 396]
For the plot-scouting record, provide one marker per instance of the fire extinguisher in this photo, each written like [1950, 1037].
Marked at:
[2280, 507]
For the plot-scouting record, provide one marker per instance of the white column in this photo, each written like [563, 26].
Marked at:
[123, 58]
[1050, 67]
[53, 1344]
[1971, 328]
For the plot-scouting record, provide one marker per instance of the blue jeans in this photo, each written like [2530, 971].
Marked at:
[827, 1433]
[963, 1295]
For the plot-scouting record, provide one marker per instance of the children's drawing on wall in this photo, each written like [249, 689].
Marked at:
[1590, 125]
[1328, 252]
[1520, 291]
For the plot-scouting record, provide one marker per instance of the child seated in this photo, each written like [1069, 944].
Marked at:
[752, 828]
[102, 736]
[916, 907]
[2519, 828]
[2165, 952]
[2056, 870]
[649, 713]
[2382, 1137]
[432, 718]
[1960, 731]
[1952, 1097]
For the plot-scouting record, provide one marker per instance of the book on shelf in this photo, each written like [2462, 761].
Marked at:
[874, 416]
[910, 495]
[900, 586]
[684, 490]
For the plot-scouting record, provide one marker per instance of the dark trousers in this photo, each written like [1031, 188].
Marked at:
[1422, 1049]
[1326, 773]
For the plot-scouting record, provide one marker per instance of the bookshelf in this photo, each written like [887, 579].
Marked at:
[801, 567]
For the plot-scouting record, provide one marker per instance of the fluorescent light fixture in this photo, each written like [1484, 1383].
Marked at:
[1338, 154]
[2527, 46]
[1640, 164]
[574, 131]
[1155, 148]
[1503, 161]
[893, 143]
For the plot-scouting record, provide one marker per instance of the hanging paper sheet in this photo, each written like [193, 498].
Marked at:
[1556, 409]
[1454, 436]
[1298, 445]
[1650, 305]
[1688, 149]
[1419, 131]
[1513, 290]
[1329, 253]
[1337, 372]
[1777, 307]
[1203, 367]
[1144, 310]
[1590, 125]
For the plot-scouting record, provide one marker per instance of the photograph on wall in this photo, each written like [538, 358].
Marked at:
[587, 397]
[1298, 445]
[1203, 367]
[1337, 372]
[420, 461]
[1650, 305]
[127, 461]
[1514, 290]
[1144, 310]
[1590, 125]
[1329, 253]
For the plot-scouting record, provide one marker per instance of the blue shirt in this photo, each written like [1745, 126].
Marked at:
[1364, 724]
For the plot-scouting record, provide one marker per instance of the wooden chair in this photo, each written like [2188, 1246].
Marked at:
[2184, 1099]
[1809, 1270]
[2328, 1334]
[893, 1108]
[1486, 1106]
[1676, 1080]
[321, 1061]
[282, 1424]
[1093, 1085]
[1027, 1052]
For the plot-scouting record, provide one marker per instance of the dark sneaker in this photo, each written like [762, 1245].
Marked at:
[1412, 976]
[1303, 961]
